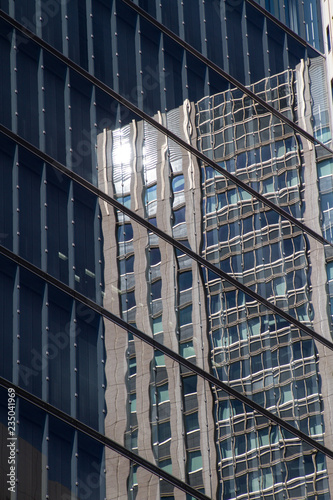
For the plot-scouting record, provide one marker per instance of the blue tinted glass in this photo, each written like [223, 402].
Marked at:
[185, 315]
[127, 301]
[60, 315]
[234, 372]
[179, 216]
[150, 194]
[185, 280]
[178, 183]
[125, 233]
[126, 265]
[32, 357]
[154, 256]
[156, 289]
[30, 174]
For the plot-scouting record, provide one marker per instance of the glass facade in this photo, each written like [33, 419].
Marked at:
[166, 262]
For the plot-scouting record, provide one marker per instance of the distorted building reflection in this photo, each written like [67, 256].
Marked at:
[170, 415]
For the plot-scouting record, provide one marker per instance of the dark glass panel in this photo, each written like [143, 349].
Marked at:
[84, 237]
[90, 468]
[276, 47]
[255, 31]
[151, 81]
[61, 442]
[51, 14]
[27, 91]
[30, 173]
[82, 133]
[127, 55]
[88, 362]
[192, 24]
[55, 125]
[30, 459]
[102, 40]
[59, 337]
[7, 152]
[173, 62]
[77, 32]
[57, 223]
[25, 13]
[235, 43]
[7, 282]
[170, 15]
[32, 352]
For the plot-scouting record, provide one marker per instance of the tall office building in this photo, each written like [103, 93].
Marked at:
[166, 249]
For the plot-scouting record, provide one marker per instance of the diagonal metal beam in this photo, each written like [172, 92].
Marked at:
[101, 438]
[168, 352]
[169, 239]
[108, 90]
[225, 75]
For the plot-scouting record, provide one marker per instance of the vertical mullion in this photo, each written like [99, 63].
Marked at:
[15, 202]
[93, 136]
[41, 100]
[67, 101]
[11, 9]
[72, 362]
[70, 228]
[115, 65]
[13, 72]
[45, 346]
[161, 71]
[203, 27]
[285, 54]
[64, 27]
[38, 14]
[70, 200]
[181, 24]
[97, 254]
[267, 70]
[223, 17]
[16, 327]
[101, 376]
[90, 37]
[246, 59]
[16, 299]
[138, 62]
[181, 20]
[158, 6]
[45, 457]
[43, 220]
[74, 469]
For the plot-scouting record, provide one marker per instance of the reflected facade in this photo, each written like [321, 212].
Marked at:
[166, 195]
[253, 350]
